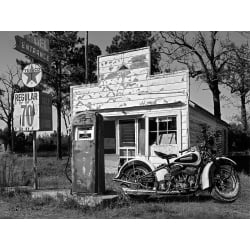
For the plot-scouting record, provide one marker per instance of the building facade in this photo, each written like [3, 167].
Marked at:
[143, 113]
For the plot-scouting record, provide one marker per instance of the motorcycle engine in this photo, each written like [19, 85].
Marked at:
[180, 178]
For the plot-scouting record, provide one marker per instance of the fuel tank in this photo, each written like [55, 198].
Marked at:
[190, 158]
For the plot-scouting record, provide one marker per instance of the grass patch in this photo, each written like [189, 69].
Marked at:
[19, 204]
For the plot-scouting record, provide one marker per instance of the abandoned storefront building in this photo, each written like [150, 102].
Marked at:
[142, 112]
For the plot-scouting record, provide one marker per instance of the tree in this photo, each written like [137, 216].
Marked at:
[237, 77]
[66, 68]
[127, 40]
[204, 54]
[9, 85]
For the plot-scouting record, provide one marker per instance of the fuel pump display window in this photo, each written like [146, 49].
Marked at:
[84, 133]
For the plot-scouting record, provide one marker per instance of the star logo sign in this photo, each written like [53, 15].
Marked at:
[32, 75]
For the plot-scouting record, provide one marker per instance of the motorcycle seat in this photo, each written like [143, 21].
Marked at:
[165, 156]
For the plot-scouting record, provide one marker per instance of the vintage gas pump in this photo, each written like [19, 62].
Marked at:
[87, 153]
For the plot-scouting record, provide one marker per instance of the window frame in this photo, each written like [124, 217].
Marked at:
[157, 131]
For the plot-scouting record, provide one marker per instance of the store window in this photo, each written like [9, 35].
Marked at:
[162, 130]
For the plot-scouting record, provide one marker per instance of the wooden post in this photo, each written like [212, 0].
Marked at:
[35, 161]
[147, 137]
[35, 157]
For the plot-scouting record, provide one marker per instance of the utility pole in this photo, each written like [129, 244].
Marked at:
[86, 58]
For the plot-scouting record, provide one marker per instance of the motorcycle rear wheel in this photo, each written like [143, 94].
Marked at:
[226, 185]
[133, 174]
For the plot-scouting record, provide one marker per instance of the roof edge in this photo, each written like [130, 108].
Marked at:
[195, 105]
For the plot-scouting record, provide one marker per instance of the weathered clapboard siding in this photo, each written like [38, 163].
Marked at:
[177, 83]
[124, 58]
[184, 127]
[167, 89]
[199, 118]
[126, 90]
[124, 65]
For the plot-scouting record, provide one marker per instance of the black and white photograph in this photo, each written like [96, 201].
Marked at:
[123, 124]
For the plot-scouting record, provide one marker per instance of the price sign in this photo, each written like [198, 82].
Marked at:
[32, 112]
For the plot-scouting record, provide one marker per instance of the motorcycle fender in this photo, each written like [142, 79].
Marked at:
[205, 181]
[225, 160]
[145, 163]
[207, 173]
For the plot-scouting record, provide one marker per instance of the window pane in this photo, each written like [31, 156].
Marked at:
[152, 138]
[162, 130]
[163, 124]
[168, 138]
[126, 153]
[141, 136]
[172, 123]
[123, 152]
[152, 124]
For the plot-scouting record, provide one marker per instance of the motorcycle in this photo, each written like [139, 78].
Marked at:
[197, 169]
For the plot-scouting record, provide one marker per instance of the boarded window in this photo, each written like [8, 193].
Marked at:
[127, 133]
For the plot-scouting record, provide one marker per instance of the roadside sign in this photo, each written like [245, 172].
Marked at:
[42, 43]
[32, 111]
[32, 75]
[26, 111]
[32, 50]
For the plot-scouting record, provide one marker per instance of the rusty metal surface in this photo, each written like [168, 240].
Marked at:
[88, 155]
[83, 166]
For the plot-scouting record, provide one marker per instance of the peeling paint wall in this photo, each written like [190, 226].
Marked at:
[124, 81]
[124, 67]
[152, 91]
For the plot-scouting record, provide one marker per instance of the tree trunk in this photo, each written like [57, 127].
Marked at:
[65, 120]
[214, 86]
[243, 112]
[9, 134]
[59, 99]
[12, 121]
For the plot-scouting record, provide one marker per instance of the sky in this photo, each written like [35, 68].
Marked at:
[199, 91]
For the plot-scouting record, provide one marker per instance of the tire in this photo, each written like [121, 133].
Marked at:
[226, 184]
[133, 174]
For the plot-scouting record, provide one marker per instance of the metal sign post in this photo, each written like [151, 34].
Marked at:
[35, 161]
[29, 108]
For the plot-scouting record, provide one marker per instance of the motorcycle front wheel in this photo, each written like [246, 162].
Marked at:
[226, 184]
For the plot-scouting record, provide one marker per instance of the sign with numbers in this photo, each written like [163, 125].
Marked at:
[32, 111]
